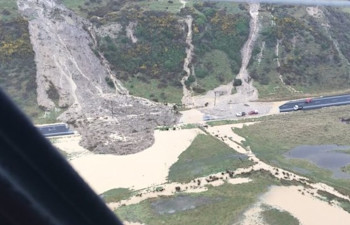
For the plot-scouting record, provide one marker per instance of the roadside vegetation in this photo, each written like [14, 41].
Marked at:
[116, 195]
[206, 155]
[316, 127]
[172, 6]
[226, 122]
[219, 205]
[273, 216]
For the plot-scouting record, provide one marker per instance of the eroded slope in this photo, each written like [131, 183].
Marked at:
[110, 122]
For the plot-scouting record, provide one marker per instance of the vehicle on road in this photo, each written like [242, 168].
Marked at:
[240, 114]
[207, 117]
[297, 107]
[308, 100]
[253, 112]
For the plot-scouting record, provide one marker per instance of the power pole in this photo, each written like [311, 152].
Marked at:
[215, 92]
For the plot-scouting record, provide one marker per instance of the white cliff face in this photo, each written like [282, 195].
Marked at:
[62, 54]
[61, 42]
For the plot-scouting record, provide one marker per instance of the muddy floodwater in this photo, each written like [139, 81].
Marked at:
[331, 157]
[180, 203]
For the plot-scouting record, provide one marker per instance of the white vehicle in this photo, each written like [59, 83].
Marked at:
[297, 107]
[240, 114]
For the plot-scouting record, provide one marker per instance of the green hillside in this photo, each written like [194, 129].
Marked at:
[17, 66]
[309, 60]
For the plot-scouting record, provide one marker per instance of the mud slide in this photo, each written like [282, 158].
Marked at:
[64, 58]
[246, 92]
[187, 95]
[119, 88]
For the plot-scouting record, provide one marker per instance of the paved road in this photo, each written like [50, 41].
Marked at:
[317, 103]
[55, 130]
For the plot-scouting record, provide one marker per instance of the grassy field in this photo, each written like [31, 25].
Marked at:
[219, 71]
[276, 217]
[225, 122]
[206, 155]
[151, 91]
[161, 5]
[316, 127]
[116, 195]
[83, 7]
[232, 7]
[219, 205]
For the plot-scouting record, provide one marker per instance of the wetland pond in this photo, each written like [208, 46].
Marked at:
[331, 157]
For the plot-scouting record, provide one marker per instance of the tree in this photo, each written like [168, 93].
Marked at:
[190, 80]
[237, 82]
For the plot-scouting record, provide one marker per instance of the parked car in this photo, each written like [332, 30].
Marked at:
[297, 107]
[240, 114]
[253, 112]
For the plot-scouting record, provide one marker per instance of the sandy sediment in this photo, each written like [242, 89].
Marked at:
[69, 144]
[304, 206]
[235, 141]
[191, 187]
[275, 107]
[136, 171]
[104, 172]
[253, 216]
[191, 116]
[240, 180]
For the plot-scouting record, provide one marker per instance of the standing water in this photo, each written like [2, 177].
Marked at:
[331, 157]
